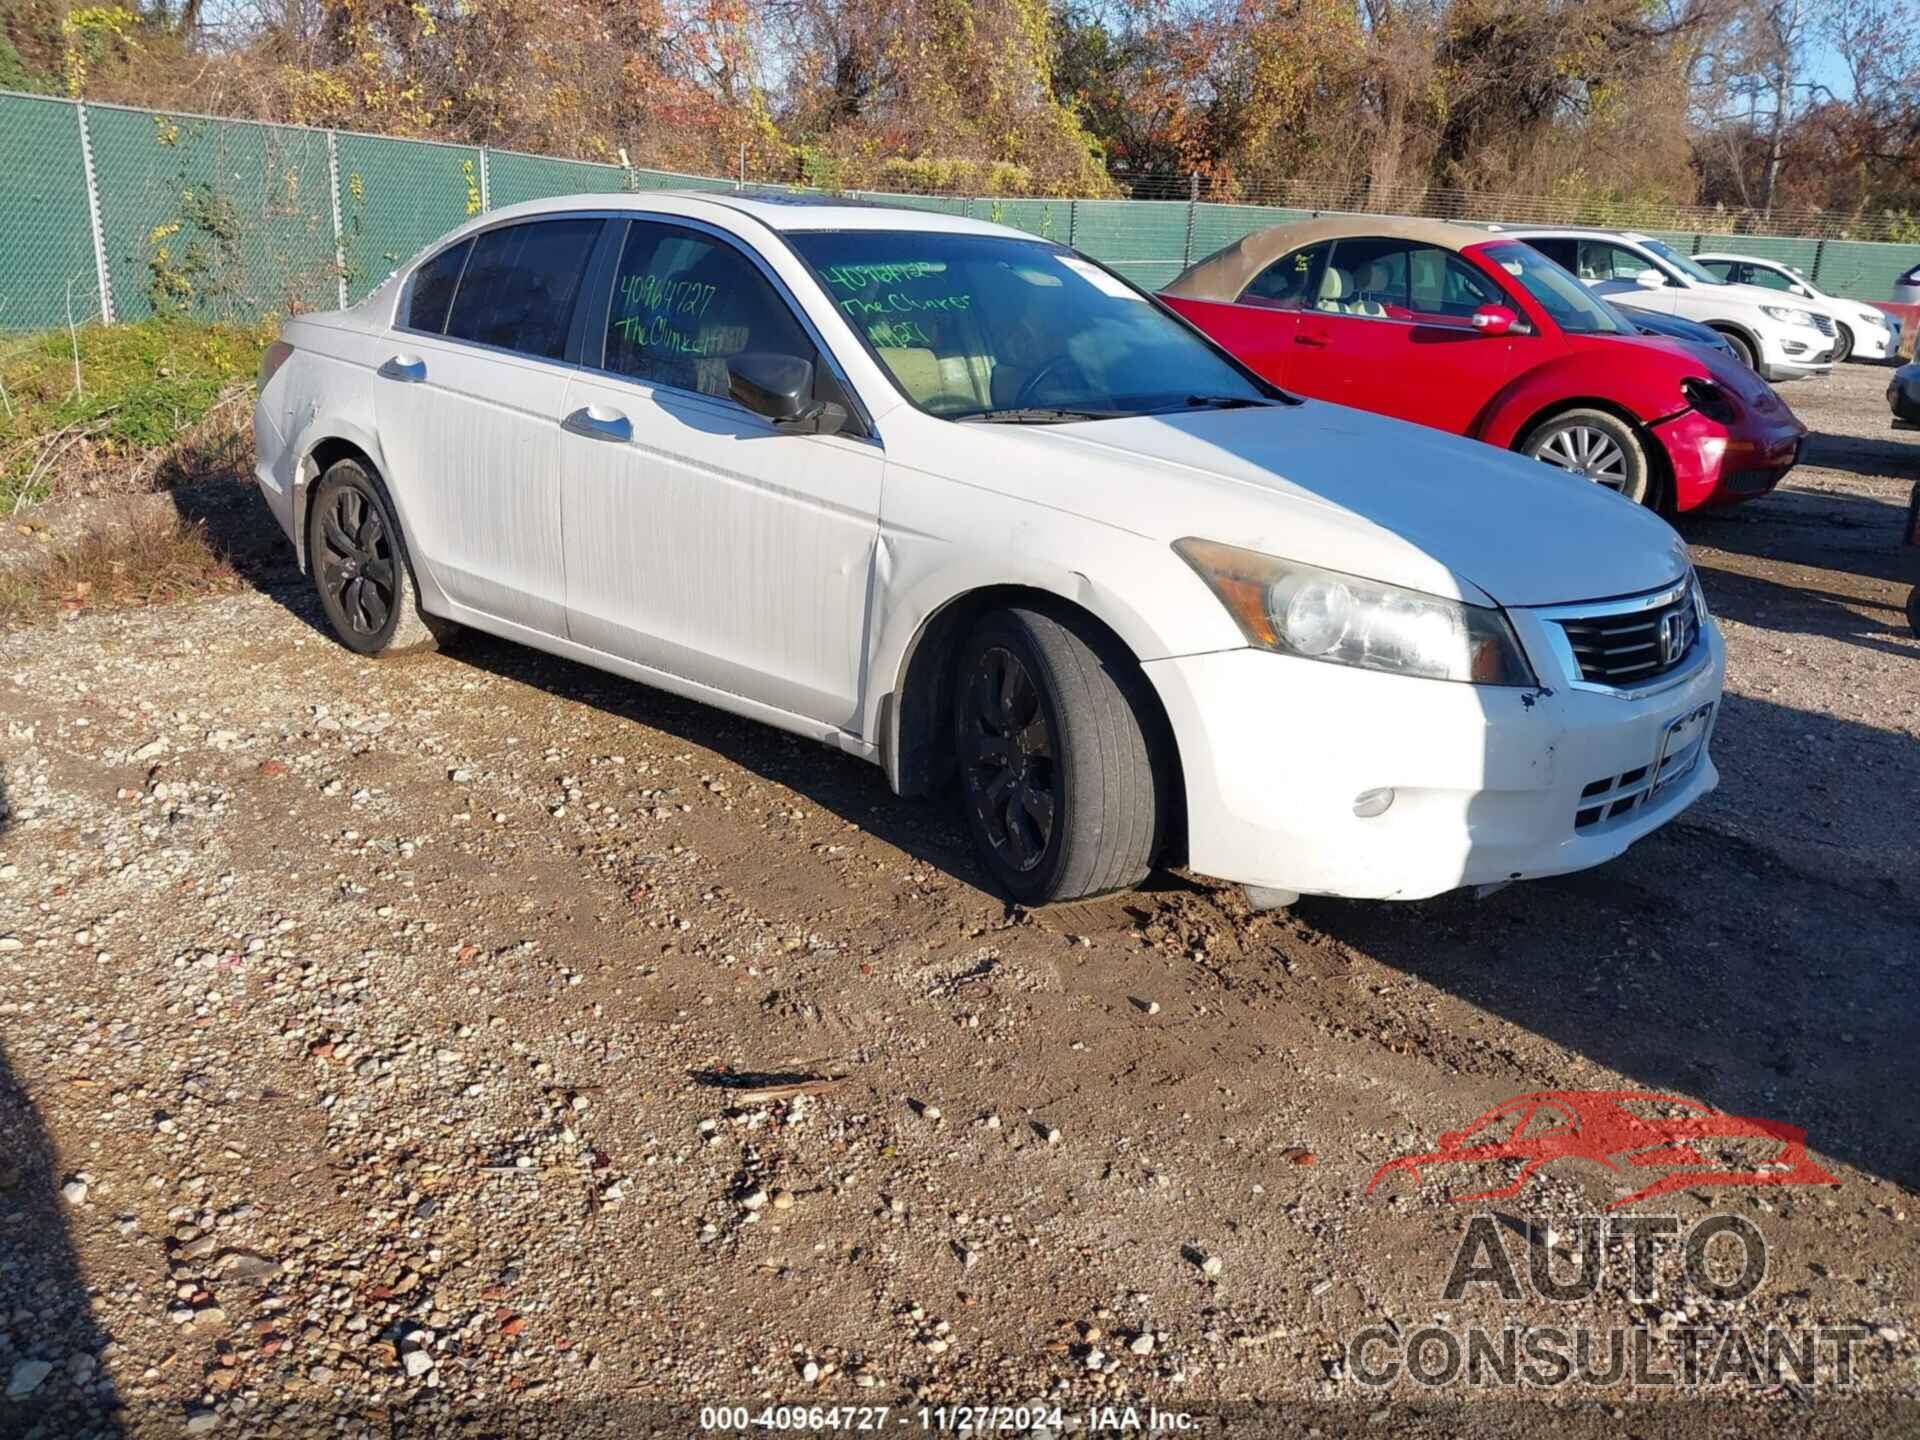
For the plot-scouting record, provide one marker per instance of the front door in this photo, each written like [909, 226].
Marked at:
[700, 540]
[1393, 323]
[468, 403]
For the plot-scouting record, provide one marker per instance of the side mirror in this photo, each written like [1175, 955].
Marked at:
[780, 387]
[1650, 279]
[1494, 320]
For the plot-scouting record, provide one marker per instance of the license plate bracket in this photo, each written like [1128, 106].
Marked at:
[1681, 745]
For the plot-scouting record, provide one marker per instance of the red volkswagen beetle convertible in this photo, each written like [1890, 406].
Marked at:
[1465, 331]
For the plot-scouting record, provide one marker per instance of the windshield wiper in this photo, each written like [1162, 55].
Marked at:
[1036, 416]
[1226, 402]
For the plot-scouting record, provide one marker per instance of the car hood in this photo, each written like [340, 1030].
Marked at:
[1761, 295]
[1359, 493]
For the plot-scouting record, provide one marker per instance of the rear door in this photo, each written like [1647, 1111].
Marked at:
[468, 402]
[700, 540]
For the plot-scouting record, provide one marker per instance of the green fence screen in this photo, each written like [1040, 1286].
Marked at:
[46, 244]
[229, 219]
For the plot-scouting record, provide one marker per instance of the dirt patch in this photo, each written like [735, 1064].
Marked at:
[392, 1018]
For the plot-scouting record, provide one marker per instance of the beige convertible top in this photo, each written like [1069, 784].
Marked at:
[1224, 274]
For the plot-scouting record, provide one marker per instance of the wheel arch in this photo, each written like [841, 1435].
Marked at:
[1746, 335]
[1656, 452]
[916, 749]
[317, 450]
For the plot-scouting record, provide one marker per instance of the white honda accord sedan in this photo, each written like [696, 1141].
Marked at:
[960, 501]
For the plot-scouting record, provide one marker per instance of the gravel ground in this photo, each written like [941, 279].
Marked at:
[476, 1044]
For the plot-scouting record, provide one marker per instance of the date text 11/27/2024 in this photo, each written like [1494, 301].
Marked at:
[944, 1419]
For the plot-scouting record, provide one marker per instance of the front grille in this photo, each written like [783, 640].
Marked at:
[1612, 797]
[1822, 323]
[1631, 649]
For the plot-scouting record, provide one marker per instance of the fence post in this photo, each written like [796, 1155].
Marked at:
[1073, 220]
[101, 275]
[333, 194]
[1819, 254]
[1193, 203]
[486, 196]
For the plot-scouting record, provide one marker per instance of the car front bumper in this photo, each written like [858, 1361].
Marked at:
[1488, 782]
[1903, 394]
[1714, 464]
[1871, 342]
[1795, 354]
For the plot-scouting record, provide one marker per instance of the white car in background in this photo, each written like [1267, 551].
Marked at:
[1781, 337]
[959, 501]
[1861, 331]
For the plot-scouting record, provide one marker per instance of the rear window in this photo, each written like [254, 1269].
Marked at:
[430, 291]
[520, 286]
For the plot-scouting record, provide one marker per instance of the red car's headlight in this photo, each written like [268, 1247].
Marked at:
[1709, 399]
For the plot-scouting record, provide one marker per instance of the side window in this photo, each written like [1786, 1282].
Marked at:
[1367, 277]
[430, 290]
[1600, 260]
[1289, 283]
[1771, 279]
[684, 303]
[1564, 253]
[1723, 268]
[520, 286]
[1444, 289]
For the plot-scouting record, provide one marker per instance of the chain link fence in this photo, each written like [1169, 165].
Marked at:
[114, 213]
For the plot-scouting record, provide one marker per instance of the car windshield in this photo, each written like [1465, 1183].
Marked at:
[990, 327]
[1683, 263]
[1574, 308]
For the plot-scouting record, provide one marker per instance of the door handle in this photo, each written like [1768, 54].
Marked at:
[1311, 337]
[599, 424]
[405, 367]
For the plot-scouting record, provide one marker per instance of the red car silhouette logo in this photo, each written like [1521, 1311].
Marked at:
[1624, 1130]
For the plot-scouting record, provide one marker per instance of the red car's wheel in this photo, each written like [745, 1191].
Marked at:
[1602, 447]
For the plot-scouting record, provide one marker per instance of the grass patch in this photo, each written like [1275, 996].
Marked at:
[153, 404]
[138, 560]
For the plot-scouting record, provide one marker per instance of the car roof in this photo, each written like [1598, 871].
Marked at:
[1568, 232]
[1224, 274]
[1744, 259]
[780, 211]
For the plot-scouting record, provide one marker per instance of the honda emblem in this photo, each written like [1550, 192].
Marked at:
[1673, 637]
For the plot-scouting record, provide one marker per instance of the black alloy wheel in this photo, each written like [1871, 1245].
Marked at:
[359, 569]
[1007, 760]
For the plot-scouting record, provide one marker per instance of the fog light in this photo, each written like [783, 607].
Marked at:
[1369, 803]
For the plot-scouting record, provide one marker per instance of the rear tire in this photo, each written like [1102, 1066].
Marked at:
[1742, 349]
[359, 564]
[1599, 445]
[1842, 343]
[1060, 749]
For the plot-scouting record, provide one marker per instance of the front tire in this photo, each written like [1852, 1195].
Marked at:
[1842, 343]
[1598, 445]
[1060, 748]
[359, 564]
[1742, 349]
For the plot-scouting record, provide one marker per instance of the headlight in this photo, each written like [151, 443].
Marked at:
[1786, 316]
[1699, 598]
[1323, 615]
[1708, 398]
